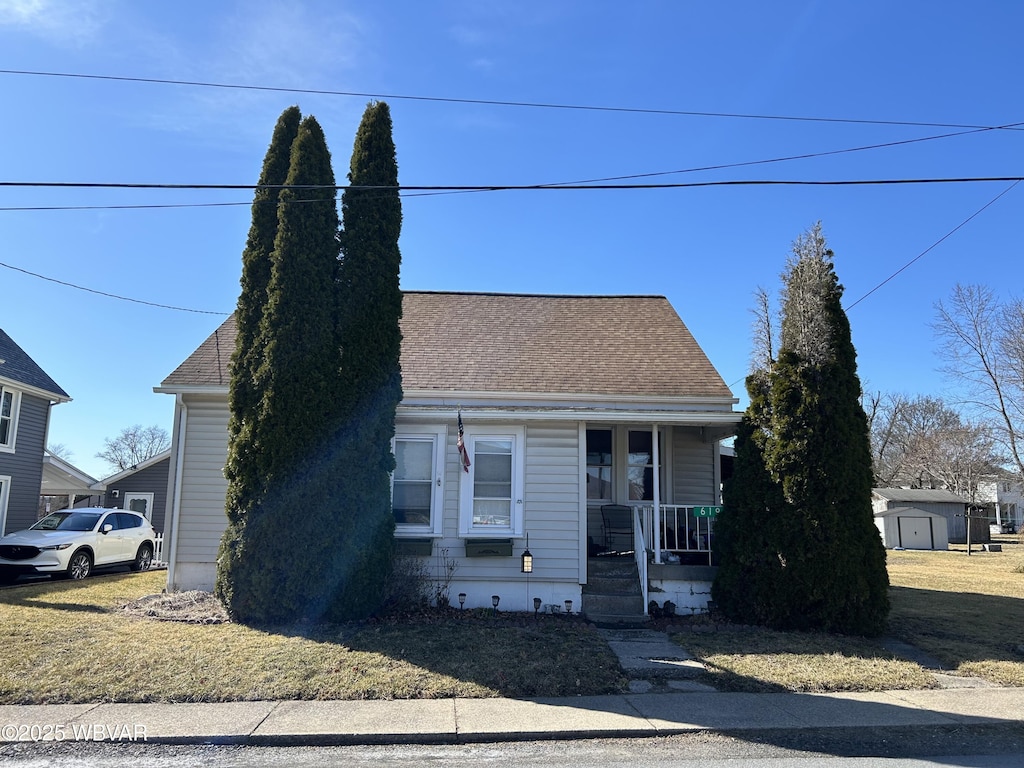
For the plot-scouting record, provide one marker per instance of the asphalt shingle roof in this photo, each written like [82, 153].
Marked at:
[919, 495]
[483, 342]
[17, 366]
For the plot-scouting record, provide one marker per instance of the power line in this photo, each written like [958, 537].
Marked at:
[111, 295]
[697, 169]
[921, 254]
[493, 102]
[933, 245]
[518, 187]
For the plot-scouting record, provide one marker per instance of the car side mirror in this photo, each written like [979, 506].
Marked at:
[107, 528]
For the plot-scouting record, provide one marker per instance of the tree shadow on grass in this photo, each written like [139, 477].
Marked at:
[45, 594]
[959, 627]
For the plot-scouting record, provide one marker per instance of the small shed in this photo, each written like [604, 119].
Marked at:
[933, 500]
[912, 528]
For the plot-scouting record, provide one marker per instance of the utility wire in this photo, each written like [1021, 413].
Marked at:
[697, 169]
[111, 295]
[921, 254]
[933, 245]
[517, 187]
[489, 102]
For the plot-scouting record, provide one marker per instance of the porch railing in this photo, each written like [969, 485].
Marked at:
[640, 553]
[680, 532]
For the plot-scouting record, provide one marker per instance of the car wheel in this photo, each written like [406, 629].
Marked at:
[80, 565]
[143, 559]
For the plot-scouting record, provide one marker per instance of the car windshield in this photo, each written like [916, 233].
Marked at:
[67, 521]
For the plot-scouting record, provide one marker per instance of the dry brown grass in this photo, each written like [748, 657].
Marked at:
[966, 611]
[73, 642]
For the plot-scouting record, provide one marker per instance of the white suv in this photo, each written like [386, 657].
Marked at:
[73, 542]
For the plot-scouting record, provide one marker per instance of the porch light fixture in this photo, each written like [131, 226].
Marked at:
[462, 600]
[568, 606]
[527, 558]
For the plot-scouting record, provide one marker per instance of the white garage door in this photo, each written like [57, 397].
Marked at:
[915, 532]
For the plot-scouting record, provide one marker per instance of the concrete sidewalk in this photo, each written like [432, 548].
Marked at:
[450, 721]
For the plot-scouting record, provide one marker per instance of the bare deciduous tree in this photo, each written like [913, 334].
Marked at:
[922, 442]
[133, 445]
[60, 450]
[983, 345]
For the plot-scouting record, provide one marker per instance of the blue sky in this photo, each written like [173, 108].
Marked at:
[706, 248]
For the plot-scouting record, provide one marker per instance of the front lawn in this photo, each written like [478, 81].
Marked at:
[67, 642]
[966, 611]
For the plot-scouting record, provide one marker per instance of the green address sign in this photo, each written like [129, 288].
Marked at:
[706, 511]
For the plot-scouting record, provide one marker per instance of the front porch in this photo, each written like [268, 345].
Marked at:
[671, 551]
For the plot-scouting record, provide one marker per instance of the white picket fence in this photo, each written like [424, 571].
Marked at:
[158, 552]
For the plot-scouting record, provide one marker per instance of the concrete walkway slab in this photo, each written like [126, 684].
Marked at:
[972, 705]
[186, 723]
[680, 712]
[40, 722]
[355, 722]
[484, 719]
[857, 710]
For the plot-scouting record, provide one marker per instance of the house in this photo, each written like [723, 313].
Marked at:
[1003, 497]
[908, 508]
[141, 488]
[571, 406]
[65, 485]
[26, 396]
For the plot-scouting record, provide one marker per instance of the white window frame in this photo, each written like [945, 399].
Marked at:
[467, 480]
[149, 497]
[9, 446]
[5, 494]
[438, 437]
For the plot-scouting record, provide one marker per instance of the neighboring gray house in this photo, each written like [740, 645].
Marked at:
[570, 404]
[26, 395]
[923, 502]
[142, 488]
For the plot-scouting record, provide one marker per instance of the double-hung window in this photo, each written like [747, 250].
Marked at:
[417, 487]
[491, 492]
[9, 402]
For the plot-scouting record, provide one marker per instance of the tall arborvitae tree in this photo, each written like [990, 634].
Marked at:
[750, 573]
[815, 449]
[244, 395]
[371, 380]
[277, 560]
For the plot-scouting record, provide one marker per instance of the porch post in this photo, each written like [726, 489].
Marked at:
[657, 495]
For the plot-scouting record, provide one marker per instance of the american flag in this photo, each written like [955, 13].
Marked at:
[463, 453]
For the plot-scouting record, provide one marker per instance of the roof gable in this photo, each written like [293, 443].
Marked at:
[18, 367]
[634, 346]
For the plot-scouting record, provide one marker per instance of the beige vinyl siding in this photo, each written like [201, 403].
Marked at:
[551, 513]
[693, 468]
[203, 488]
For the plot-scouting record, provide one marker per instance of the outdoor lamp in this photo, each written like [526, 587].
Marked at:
[462, 600]
[494, 602]
[536, 605]
[568, 606]
[527, 564]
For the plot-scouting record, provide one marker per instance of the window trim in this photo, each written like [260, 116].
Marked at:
[467, 479]
[5, 494]
[9, 446]
[149, 496]
[438, 436]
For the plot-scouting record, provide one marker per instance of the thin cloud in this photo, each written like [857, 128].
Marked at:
[63, 22]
